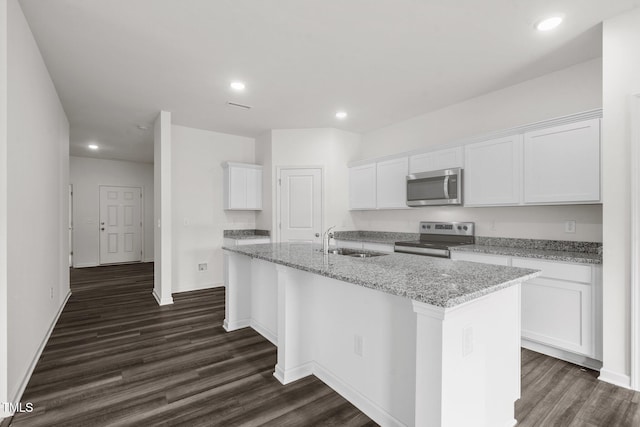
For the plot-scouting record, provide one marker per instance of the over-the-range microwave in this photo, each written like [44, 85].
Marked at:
[442, 187]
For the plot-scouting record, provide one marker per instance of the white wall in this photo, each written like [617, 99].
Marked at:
[330, 148]
[4, 328]
[198, 216]
[86, 176]
[621, 80]
[264, 218]
[572, 90]
[37, 169]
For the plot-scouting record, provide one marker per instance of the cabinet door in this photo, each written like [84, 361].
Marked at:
[362, 187]
[492, 172]
[254, 188]
[436, 160]
[237, 188]
[557, 307]
[391, 187]
[562, 164]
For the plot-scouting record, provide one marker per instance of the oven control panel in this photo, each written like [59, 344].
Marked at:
[447, 228]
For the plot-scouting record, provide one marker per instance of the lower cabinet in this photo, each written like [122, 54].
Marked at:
[561, 308]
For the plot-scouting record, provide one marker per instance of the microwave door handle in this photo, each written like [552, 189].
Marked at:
[446, 187]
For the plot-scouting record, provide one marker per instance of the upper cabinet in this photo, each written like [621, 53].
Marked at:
[362, 187]
[491, 175]
[562, 164]
[242, 186]
[391, 183]
[437, 160]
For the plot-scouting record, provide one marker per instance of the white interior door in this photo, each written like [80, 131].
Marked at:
[300, 205]
[120, 224]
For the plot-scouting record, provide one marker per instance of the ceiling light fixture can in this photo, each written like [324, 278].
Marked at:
[239, 86]
[93, 147]
[549, 23]
[341, 115]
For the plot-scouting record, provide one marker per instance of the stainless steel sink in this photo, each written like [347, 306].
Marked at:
[355, 253]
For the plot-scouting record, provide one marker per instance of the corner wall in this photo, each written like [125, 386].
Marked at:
[621, 81]
[87, 175]
[197, 208]
[37, 166]
[572, 90]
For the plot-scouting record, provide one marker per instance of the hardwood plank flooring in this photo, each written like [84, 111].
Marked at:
[116, 358]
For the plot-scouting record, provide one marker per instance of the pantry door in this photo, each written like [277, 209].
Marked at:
[120, 224]
[300, 209]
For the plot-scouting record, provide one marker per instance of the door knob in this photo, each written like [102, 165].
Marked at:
[102, 229]
[317, 234]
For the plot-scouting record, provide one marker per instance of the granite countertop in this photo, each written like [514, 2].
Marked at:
[436, 281]
[245, 234]
[550, 255]
[375, 236]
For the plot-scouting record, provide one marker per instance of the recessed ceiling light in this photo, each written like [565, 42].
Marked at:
[93, 146]
[549, 23]
[341, 115]
[239, 86]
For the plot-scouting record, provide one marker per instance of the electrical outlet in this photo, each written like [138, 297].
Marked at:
[202, 267]
[358, 345]
[570, 226]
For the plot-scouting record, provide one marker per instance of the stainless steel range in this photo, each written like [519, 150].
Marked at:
[437, 237]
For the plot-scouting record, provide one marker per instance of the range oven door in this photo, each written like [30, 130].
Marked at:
[442, 187]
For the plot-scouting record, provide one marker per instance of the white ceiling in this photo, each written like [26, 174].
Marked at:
[116, 63]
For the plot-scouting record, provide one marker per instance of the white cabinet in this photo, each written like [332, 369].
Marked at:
[242, 186]
[492, 172]
[391, 183]
[437, 160]
[229, 241]
[562, 164]
[557, 306]
[561, 308]
[362, 187]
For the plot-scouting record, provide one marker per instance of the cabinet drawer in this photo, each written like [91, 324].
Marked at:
[483, 258]
[557, 270]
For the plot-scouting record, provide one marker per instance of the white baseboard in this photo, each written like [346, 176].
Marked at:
[148, 260]
[200, 287]
[86, 264]
[166, 301]
[615, 378]
[265, 332]
[567, 356]
[34, 361]
[371, 409]
[234, 326]
[294, 374]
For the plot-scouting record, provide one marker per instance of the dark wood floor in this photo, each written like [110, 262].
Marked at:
[116, 358]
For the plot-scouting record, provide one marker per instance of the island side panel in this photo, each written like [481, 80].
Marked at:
[472, 375]
[237, 281]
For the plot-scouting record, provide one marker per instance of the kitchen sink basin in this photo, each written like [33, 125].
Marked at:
[355, 253]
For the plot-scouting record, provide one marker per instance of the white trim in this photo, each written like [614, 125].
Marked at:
[234, 326]
[86, 264]
[38, 353]
[294, 374]
[167, 301]
[370, 408]
[567, 356]
[615, 378]
[635, 242]
[571, 118]
[200, 287]
[264, 331]
[279, 169]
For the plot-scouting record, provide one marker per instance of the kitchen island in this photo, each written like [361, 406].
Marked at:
[409, 340]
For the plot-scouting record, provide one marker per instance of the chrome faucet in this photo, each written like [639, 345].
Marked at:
[326, 236]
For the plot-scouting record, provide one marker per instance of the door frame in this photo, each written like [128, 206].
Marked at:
[635, 241]
[142, 249]
[279, 169]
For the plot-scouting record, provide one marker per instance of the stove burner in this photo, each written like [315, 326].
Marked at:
[437, 237]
